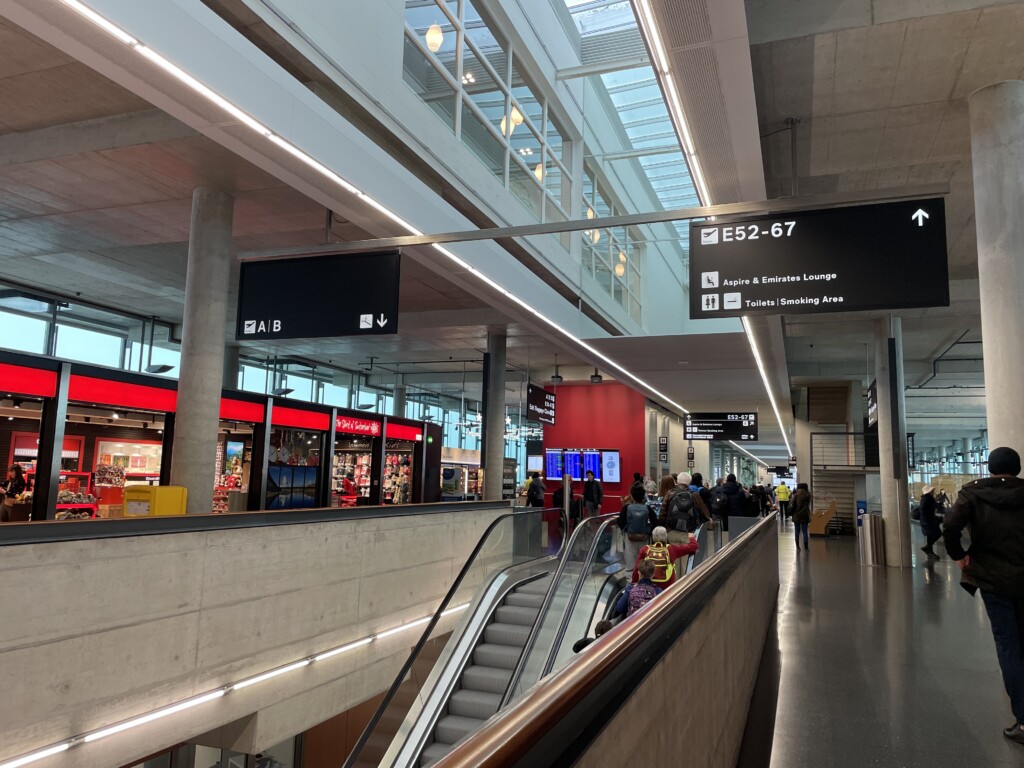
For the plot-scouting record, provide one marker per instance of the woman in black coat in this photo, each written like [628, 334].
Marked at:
[929, 521]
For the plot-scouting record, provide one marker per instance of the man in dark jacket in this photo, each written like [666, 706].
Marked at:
[739, 502]
[992, 510]
[929, 521]
[593, 495]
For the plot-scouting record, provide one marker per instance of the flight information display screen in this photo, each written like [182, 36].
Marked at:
[553, 464]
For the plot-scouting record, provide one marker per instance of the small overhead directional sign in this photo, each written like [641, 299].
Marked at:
[862, 257]
[319, 296]
[721, 426]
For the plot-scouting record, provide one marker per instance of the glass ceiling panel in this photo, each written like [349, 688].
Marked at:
[642, 114]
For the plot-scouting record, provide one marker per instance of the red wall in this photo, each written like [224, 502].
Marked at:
[606, 415]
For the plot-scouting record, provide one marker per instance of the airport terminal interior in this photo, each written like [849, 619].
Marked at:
[511, 383]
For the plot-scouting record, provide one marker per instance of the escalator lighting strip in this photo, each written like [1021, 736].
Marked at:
[401, 628]
[33, 756]
[343, 649]
[268, 675]
[156, 714]
[180, 706]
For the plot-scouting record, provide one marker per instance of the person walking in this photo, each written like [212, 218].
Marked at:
[782, 497]
[10, 489]
[535, 491]
[992, 509]
[593, 495]
[927, 508]
[636, 521]
[801, 514]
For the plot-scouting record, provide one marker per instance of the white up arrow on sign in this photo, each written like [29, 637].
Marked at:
[382, 321]
[919, 216]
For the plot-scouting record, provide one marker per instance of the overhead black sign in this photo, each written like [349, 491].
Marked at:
[540, 404]
[721, 426]
[319, 296]
[782, 472]
[911, 451]
[882, 256]
[873, 404]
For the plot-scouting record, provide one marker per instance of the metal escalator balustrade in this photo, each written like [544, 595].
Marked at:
[509, 555]
[555, 722]
[587, 539]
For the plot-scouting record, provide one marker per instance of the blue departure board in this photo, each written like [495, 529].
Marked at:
[573, 466]
[592, 463]
[553, 464]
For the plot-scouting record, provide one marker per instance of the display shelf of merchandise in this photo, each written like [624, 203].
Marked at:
[356, 463]
[397, 486]
[80, 511]
[220, 499]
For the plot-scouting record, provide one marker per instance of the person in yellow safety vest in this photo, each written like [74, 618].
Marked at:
[782, 496]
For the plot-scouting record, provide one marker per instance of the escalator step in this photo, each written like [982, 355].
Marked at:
[538, 586]
[433, 753]
[476, 704]
[512, 614]
[486, 679]
[452, 729]
[525, 600]
[500, 656]
[506, 634]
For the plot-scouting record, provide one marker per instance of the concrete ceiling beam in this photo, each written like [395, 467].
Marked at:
[100, 134]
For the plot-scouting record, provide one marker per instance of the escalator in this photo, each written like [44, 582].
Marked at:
[485, 679]
[521, 626]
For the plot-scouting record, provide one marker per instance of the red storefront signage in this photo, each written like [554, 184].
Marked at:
[86, 389]
[19, 380]
[355, 426]
[403, 432]
[282, 416]
[241, 410]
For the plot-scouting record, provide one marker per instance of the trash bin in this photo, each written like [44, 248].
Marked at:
[871, 540]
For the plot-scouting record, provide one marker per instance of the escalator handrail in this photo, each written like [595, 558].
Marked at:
[563, 625]
[598, 679]
[425, 636]
[531, 641]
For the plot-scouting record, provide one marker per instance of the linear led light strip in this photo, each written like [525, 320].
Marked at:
[764, 377]
[762, 462]
[652, 33]
[249, 121]
[194, 701]
[645, 15]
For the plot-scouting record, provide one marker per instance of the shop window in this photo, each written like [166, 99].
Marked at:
[399, 470]
[23, 333]
[293, 468]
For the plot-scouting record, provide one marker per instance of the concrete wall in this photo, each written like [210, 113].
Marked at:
[714, 664]
[95, 632]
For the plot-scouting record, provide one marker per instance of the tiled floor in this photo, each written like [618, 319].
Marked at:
[878, 667]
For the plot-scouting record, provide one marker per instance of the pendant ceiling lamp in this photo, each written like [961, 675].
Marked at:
[434, 38]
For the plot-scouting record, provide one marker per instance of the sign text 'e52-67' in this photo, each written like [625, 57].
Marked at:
[863, 257]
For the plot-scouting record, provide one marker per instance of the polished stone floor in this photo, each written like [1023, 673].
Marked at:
[878, 667]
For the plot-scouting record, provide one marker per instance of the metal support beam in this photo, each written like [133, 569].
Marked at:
[603, 67]
[762, 207]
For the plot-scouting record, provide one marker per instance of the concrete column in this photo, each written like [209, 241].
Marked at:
[997, 152]
[202, 347]
[965, 461]
[494, 417]
[231, 366]
[892, 442]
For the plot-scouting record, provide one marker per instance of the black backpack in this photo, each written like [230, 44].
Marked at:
[719, 503]
[681, 511]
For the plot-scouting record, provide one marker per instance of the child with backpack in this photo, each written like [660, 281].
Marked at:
[663, 556]
[639, 594]
[636, 521]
